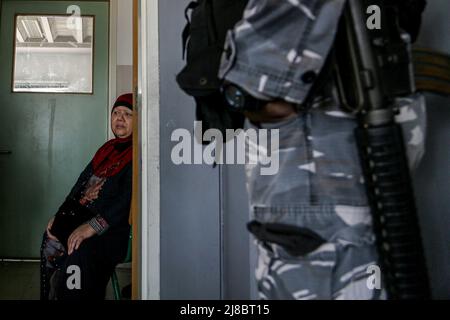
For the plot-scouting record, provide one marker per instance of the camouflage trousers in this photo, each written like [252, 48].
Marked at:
[320, 186]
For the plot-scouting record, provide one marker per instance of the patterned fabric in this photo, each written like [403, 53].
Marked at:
[334, 271]
[320, 187]
[52, 259]
[99, 224]
[318, 157]
[275, 52]
[109, 197]
[279, 46]
[112, 157]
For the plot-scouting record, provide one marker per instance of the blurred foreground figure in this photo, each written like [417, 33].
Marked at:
[312, 220]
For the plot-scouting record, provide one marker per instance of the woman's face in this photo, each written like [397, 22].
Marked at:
[122, 122]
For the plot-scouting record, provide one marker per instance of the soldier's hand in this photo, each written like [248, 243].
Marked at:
[272, 112]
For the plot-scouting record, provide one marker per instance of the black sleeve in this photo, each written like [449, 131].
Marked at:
[114, 202]
[82, 179]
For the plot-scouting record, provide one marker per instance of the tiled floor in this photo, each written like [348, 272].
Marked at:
[20, 280]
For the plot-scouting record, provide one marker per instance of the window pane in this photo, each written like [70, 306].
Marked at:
[53, 54]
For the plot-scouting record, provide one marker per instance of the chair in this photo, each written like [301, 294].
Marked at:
[114, 279]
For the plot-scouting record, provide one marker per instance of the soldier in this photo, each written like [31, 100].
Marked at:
[275, 53]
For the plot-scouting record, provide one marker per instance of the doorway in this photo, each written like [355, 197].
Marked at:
[54, 100]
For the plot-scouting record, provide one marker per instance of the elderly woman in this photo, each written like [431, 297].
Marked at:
[78, 258]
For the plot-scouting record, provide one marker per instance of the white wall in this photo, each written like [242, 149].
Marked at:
[121, 50]
[124, 77]
[125, 33]
[190, 208]
[432, 180]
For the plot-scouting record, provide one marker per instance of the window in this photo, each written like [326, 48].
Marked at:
[53, 54]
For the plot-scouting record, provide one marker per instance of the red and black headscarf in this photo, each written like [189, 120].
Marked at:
[114, 155]
[125, 100]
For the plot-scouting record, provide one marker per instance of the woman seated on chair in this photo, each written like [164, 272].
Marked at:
[88, 236]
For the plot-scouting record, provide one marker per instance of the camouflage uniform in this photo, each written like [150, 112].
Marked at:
[319, 186]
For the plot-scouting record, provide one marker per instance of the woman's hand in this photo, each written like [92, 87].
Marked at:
[49, 226]
[272, 112]
[85, 231]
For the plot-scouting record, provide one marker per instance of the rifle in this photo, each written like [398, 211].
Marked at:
[372, 69]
